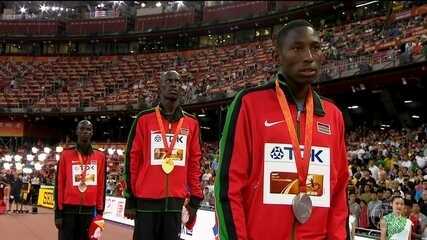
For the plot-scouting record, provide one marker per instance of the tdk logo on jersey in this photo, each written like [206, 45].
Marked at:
[87, 167]
[178, 138]
[277, 153]
[169, 137]
[284, 152]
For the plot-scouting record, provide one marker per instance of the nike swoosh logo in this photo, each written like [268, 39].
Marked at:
[268, 124]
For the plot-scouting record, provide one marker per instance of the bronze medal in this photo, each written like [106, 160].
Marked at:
[82, 187]
[167, 165]
[302, 207]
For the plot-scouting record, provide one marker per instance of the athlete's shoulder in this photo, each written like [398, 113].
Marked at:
[191, 116]
[100, 155]
[69, 149]
[68, 152]
[329, 105]
[253, 91]
[325, 99]
[97, 151]
[144, 112]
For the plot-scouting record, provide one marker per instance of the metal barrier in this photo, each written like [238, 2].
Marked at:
[352, 66]
[363, 233]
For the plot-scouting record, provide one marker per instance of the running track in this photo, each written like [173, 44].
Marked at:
[41, 227]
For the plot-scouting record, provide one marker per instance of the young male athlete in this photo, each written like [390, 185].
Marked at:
[283, 168]
[163, 166]
[79, 186]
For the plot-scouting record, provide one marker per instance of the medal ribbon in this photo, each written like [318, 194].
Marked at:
[83, 175]
[300, 162]
[168, 147]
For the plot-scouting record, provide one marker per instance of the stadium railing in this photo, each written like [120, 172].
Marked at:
[363, 233]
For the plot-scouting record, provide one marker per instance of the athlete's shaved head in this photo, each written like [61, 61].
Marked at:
[170, 85]
[84, 132]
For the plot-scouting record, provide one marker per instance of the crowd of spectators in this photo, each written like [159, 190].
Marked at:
[384, 163]
[345, 42]
[208, 72]
[208, 167]
[18, 189]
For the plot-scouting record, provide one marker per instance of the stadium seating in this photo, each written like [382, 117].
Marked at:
[164, 21]
[72, 82]
[242, 9]
[102, 26]
[29, 27]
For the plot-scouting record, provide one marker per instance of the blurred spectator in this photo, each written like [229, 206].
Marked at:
[423, 202]
[363, 218]
[35, 186]
[354, 206]
[419, 221]
[397, 156]
[374, 205]
[15, 193]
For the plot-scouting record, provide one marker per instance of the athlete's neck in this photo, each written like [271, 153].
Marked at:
[169, 106]
[299, 90]
[84, 148]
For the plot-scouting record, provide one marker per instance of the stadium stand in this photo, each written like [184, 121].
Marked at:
[383, 162]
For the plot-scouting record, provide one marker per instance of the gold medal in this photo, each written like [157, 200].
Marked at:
[82, 187]
[167, 161]
[167, 165]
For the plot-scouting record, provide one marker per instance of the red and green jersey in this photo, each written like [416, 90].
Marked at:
[255, 182]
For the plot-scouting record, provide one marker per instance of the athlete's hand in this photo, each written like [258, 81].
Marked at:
[130, 213]
[58, 223]
[192, 218]
[58, 218]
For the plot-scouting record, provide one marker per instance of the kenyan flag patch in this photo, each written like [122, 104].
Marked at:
[324, 128]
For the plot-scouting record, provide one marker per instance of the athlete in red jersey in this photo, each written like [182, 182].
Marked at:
[163, 166]
[268, 186]
[79, 186]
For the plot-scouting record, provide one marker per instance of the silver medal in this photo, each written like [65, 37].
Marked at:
[302, 207]
[82, 187]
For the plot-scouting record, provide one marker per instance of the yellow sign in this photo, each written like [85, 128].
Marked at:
[46, 198]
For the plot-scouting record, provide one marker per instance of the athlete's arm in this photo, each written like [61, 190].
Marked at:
[193, 171]
[133, 159]
[101, 184]
[59, 190]
[338, 213]
[232, 176]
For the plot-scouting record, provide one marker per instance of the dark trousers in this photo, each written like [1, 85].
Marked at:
[34, 194]
[75, 226]
[157, 226]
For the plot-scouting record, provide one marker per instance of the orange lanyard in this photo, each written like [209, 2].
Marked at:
[301, 163]
[168, 147]
[82, 165]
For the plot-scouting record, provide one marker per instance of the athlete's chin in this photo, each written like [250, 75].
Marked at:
[84, 140]
[172, 98]
[305, 80]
